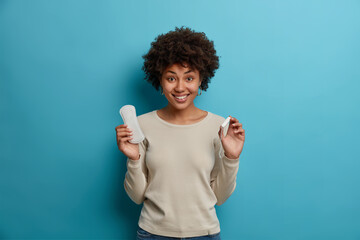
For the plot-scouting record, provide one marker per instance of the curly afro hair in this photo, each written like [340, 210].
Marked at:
[183, 46]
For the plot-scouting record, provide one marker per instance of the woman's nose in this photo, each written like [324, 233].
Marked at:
[180, 86]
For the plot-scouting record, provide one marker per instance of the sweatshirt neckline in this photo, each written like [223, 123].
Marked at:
[182, 125]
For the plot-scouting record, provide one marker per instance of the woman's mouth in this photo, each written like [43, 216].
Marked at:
[181, 98]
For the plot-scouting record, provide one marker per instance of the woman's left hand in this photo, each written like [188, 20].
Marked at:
[233, 142]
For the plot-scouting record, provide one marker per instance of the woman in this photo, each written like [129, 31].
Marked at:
[185, 165]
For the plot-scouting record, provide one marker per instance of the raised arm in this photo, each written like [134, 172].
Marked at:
[135, 182]
[223, 176]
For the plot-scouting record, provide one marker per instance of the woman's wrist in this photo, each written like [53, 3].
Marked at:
[137, 158]
[231, 156]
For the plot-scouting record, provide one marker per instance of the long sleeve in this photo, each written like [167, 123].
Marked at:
[223, 177]
[135, 182]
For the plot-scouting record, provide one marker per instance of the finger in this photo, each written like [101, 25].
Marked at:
[124, 134]
[220, 133]
[121, 135]
[237, 124]
[125, 139]
[232, 119]
[123, 130]
[120, 126]
[241, 131]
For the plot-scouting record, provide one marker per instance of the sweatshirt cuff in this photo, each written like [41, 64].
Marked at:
[230, 162]
[134, 163]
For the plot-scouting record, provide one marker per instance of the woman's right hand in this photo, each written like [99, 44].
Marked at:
[123, 135]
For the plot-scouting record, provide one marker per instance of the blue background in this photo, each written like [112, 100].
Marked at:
[289, 71]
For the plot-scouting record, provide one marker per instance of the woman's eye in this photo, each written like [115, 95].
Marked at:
[190, 78]
[171, 78]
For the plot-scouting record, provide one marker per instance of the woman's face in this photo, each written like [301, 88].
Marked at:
[180, 85]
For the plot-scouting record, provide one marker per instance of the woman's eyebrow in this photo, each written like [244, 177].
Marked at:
[175, 72]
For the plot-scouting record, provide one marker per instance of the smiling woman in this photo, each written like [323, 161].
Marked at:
[180, 86]
[185, 164]
[180, 63]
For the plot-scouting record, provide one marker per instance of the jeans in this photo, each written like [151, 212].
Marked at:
[144, 235]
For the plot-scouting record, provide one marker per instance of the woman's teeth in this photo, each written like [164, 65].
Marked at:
[182, 97]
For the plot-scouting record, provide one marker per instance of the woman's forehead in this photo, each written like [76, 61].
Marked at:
[177, 67]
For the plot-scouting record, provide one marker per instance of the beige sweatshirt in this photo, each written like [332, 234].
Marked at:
[181, 174]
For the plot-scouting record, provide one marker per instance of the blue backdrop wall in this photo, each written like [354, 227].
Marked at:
[289, 71]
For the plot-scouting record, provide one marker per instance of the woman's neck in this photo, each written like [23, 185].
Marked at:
[182, 115]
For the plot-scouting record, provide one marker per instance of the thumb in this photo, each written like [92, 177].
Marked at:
[220, 133]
